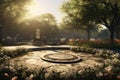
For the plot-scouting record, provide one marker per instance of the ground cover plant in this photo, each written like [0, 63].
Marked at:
[7, 54]
[110, 70]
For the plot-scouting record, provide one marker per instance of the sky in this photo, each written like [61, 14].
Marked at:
[46, 6]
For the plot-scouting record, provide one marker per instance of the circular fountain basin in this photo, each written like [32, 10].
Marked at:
[61, 58]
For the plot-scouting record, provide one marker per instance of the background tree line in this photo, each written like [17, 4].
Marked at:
[12, 11]
[83, 18]
[85, 14]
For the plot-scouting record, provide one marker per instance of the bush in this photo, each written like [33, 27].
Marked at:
[7, 54]
[105, 44]
[104, 53]
[109, 71]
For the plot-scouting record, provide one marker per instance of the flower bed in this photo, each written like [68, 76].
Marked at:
[105, 44]
[104, 53]
[96, 73]
[110, 70]
[7, 54]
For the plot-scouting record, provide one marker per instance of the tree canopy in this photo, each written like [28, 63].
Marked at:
[10, 10]
[106, 12]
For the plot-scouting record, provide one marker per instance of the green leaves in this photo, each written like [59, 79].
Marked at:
[104, 12]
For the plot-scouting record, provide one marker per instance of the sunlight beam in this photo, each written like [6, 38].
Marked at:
[33, 10]
[39, 7]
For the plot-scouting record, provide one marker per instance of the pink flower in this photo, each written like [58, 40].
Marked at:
[14, 78]
[118, 77]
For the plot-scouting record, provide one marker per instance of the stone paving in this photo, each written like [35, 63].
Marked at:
[32, 47]
[33, 60]
[61, 58]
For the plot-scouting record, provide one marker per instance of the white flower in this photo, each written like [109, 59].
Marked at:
[109, 68]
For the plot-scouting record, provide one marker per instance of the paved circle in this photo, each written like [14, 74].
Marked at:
[61, 58]
[31, 61]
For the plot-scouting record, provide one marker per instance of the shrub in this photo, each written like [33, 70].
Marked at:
[109, 71]
[105, 44]
[7, 54]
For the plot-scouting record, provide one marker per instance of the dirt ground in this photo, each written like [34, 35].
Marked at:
[33, 60]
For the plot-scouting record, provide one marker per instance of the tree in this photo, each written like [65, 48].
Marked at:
[105, 12]
[45, 22]
[103, 34]
[49, 25]
[118, 30]
[10, 8]
[66, 24]
[73, 9]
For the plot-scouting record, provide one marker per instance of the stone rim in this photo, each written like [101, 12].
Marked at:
[74, 58]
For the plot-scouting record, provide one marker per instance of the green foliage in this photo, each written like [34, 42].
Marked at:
[11, 12]
[72, 9]
[85, 73]
[74, 19]
[104, 44]
[7, 54]
[104, 53]
[85, 12]
[109, 70]
[105, 12]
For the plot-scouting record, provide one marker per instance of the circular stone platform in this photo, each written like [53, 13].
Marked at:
[61, 58]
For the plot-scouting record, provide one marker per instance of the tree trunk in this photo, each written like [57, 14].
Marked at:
[112, 35]
[117, 35]
[1, 28]
[88, 33]
[1, 35]
[0, 32]
[118, 32]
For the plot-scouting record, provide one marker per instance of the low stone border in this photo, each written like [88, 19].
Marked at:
[61, 58]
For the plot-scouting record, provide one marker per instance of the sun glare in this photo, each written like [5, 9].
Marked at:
[33, 10]
[38, 7]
